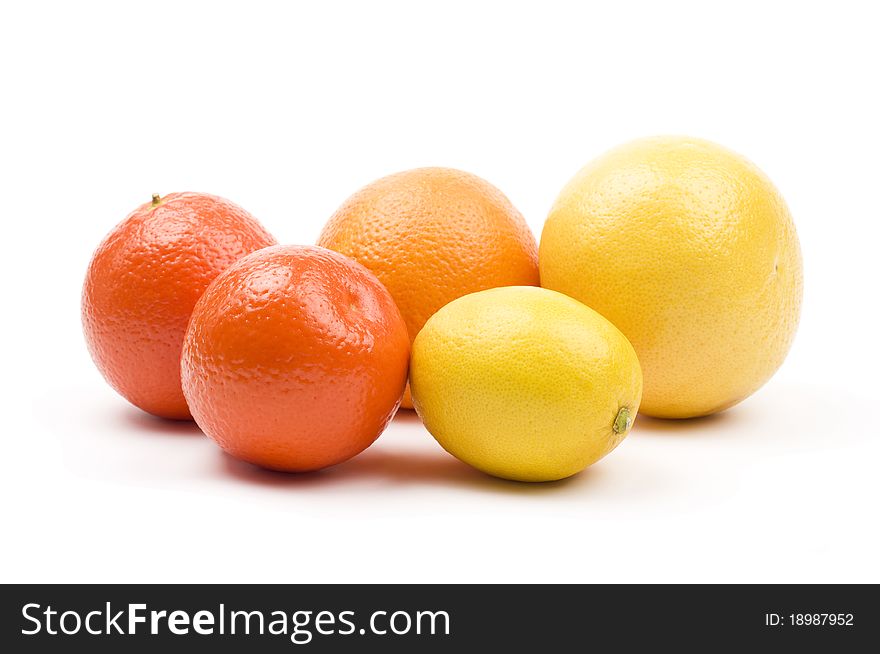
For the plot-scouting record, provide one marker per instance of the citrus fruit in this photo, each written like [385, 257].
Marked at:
[431, 235]
[295, 358]
[143, 282]
[524, 383]
[691, 252]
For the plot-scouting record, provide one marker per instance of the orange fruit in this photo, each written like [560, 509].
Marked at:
[142, 284]
[295, 358]
[432, 235]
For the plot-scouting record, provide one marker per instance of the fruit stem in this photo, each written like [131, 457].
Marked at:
[623, 421]
[156, 199]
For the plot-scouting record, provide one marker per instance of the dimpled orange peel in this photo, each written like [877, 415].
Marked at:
[141, 286]
[295, 358]
[431, 235]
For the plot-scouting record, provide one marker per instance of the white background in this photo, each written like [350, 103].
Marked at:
[287, 109]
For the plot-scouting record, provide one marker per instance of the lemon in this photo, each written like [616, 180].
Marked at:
[524, 383]
[690, 251]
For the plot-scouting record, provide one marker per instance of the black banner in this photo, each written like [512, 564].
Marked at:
[436, 618]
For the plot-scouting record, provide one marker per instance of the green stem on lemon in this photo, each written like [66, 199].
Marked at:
[156, 199]
[623, 421]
